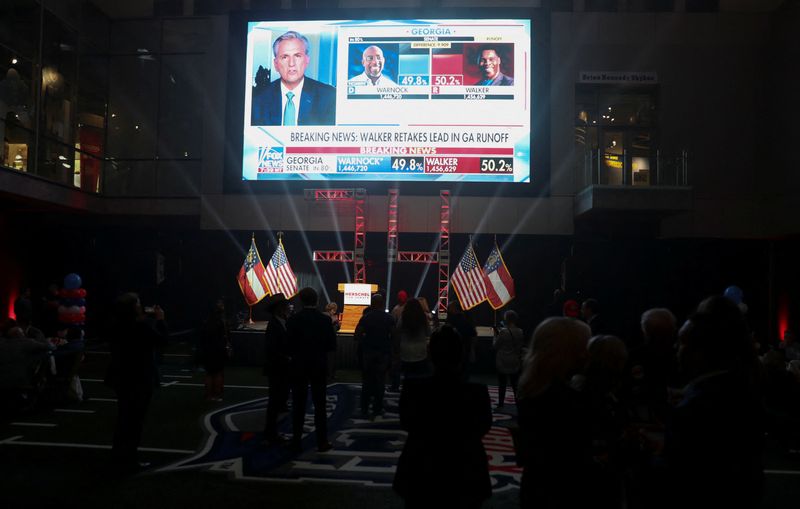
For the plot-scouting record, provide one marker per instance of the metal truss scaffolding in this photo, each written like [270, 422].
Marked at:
[330, 194]
[359, 271]
[333, 256]
[358, 197]
[417, 257]
[444, 254]
[391, 239]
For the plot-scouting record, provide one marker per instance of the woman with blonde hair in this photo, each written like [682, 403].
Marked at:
[554, 440]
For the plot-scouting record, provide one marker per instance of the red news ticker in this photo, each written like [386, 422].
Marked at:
[442, 165]
[402, 151]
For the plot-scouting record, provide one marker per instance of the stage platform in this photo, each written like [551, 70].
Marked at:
[248, 348]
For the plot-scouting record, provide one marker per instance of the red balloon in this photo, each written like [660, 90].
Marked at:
[81, 292]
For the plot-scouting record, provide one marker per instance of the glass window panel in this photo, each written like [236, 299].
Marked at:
[92, 100]
[68, 11]
[178, 178]
[132, 107]
[621, 109]
[59, 79]
[19, 27]
[56, 161]
[17, 145]
[180, 122]
[613, 158]
[640, 169]
[94, 27]
[16, 91]
[129, 178]
[88, 162]
[186, 35]
[93, 78]
[640, 150]
[135, 36]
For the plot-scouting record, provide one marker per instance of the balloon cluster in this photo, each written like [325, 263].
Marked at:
[736, 295]
[72, 301]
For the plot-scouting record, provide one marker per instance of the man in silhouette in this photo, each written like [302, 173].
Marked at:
[311, 337]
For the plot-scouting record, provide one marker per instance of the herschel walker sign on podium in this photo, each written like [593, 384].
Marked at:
[357, 296]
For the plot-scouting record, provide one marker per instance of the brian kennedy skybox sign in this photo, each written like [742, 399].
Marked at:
[629, 77]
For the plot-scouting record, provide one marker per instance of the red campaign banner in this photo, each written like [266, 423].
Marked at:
[449, 164]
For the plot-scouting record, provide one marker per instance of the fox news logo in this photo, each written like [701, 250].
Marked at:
[270, 159]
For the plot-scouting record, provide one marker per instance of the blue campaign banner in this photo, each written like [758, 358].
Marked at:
[413, 79]
[414, 63]
[363, 164]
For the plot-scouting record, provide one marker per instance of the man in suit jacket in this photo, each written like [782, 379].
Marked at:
[590, 310]
[277, 365]
[374, 334]
[294, 99]
[489, 63]
[311, 337]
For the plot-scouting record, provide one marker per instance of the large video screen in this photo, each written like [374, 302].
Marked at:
[401, 100]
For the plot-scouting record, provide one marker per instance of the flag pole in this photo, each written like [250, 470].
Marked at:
[249, 307]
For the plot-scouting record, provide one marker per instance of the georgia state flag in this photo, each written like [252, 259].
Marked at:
[499, 284]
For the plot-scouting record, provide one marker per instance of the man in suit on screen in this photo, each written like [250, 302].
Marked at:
[489, 64]
[373, 61]
[294, 99]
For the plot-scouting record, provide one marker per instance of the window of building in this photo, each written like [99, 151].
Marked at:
[615, 128]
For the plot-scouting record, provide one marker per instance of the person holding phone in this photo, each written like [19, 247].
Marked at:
[133, 374]
[508, 341]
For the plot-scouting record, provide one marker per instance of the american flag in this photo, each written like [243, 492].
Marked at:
[468, 280]
[252, 280]
[279, 273]
[499, 284]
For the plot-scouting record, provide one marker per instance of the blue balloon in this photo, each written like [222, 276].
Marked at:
[72, 281]
[734, 294]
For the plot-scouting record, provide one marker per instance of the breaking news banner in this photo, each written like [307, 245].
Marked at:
[412, 100]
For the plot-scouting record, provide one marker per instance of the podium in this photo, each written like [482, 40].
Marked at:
[357, 297]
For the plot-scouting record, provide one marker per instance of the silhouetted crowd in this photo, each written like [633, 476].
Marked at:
[679, 420]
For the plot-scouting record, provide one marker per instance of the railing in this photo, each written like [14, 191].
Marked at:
[663, 169]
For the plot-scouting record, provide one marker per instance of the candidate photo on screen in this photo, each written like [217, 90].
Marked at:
[293, 98]
[489, 64]
[372, 65]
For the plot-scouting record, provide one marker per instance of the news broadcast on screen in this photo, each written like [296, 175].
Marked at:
[400, 100]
